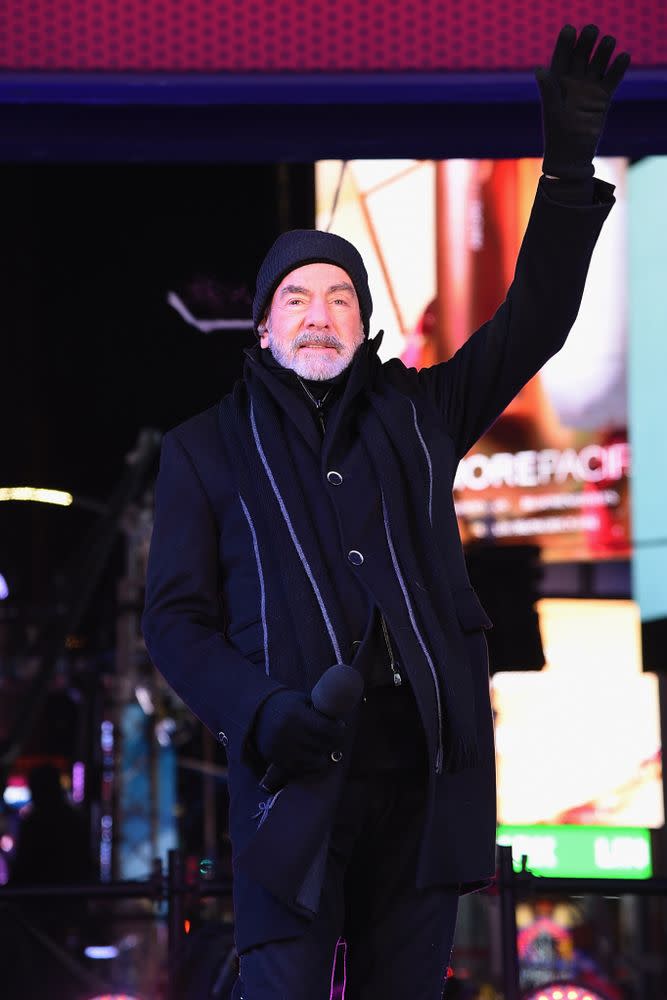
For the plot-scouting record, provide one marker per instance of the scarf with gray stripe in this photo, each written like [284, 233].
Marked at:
[304, 623]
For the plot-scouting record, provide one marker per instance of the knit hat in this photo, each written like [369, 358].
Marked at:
[310, 246]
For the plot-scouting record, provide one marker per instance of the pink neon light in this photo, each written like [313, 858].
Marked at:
[78, 781]
[563, 991]
[344, 968]
[333, 970]
[333, 992]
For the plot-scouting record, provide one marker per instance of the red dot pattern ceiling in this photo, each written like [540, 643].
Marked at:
[312, 35]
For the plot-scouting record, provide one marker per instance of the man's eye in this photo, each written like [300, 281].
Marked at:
[294, 302]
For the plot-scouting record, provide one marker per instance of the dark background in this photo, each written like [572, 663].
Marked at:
[91, 351]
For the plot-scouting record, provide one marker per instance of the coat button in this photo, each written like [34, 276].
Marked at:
[222, 738]
[337, 756]
[334, 478]
[355, 557]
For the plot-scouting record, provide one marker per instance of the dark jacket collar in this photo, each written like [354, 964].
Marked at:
[283, 384]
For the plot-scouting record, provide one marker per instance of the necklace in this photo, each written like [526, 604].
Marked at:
[319, 403]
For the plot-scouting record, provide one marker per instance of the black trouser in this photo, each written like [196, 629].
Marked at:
[398, 939]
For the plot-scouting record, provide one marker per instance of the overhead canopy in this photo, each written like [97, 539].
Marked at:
[132, 117]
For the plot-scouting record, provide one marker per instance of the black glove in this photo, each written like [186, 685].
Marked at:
[291, 734]
[576, 92]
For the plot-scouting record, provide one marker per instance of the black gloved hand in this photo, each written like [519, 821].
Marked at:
[576, 92]
[291, 734]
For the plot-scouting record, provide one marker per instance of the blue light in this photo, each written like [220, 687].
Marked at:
[16, 795]
[101, 951]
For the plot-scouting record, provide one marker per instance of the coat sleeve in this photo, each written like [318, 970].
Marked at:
[182, 620]
[474, 386]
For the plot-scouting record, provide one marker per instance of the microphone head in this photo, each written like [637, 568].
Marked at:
[338, 691]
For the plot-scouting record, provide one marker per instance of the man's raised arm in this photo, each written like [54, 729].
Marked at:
[478, 382]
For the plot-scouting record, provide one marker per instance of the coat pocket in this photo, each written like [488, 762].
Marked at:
[248, 640]
[469, 611]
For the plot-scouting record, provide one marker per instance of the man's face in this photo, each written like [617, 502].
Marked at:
[313, 324]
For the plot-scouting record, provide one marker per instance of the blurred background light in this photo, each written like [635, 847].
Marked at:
[58, 497]
[114, 996]
[101, 951]
[78, 781]
[16, 794]
[563, 991]
[145, 699]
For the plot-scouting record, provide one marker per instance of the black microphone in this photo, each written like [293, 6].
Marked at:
[336, 695]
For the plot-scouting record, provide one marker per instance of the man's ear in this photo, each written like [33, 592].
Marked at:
[262, 330]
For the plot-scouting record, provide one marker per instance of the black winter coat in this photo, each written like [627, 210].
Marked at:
[203, 615]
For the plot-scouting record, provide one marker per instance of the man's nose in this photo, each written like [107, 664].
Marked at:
[318, 312]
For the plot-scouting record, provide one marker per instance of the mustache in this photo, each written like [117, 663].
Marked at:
[317, 339]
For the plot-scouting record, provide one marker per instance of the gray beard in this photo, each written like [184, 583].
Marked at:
[312, 368]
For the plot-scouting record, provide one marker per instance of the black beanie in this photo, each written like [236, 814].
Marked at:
[310, 246]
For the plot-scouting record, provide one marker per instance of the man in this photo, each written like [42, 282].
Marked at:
[308, 520]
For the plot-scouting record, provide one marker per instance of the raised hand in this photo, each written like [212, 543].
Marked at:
[576, 91]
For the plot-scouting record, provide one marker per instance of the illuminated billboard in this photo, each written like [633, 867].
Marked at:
[440, 241]
[648, 402]
[578, 743]
[579, 851]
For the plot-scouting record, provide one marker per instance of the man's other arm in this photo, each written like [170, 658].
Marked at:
[182, 616]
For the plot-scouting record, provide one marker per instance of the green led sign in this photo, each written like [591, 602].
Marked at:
[580, 851]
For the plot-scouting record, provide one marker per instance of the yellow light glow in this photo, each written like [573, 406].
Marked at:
[58, 497]
[608, 765]
[572, 995]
